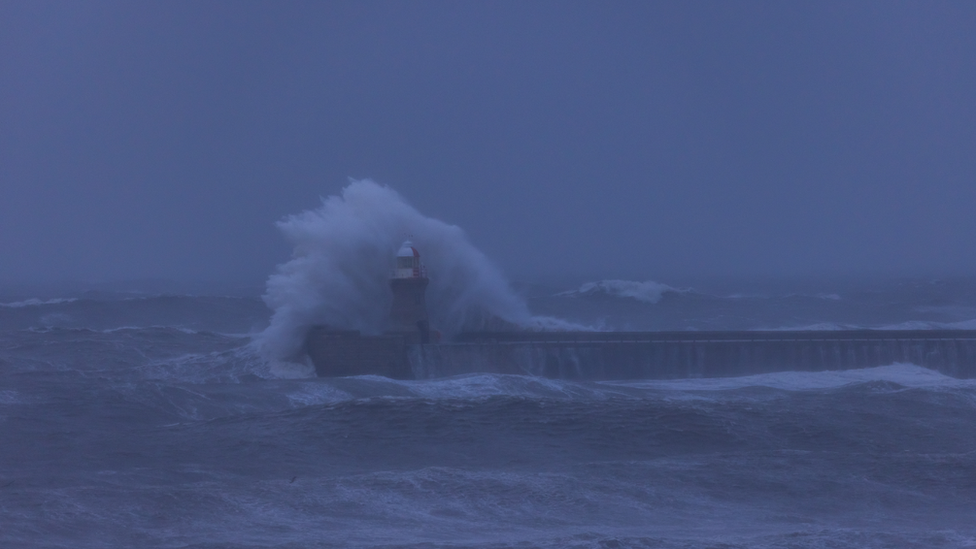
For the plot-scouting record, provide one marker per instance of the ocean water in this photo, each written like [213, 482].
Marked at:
[148, 419]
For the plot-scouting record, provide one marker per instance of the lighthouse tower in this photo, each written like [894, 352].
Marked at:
[409, 283]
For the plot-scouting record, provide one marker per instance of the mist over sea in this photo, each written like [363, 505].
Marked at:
[151, 418]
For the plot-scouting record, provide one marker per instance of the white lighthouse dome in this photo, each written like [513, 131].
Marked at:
[408, 262]
[407, 250]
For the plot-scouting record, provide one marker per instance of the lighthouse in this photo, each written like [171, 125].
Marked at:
[408, 315]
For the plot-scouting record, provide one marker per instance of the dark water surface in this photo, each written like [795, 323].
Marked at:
[149, 421]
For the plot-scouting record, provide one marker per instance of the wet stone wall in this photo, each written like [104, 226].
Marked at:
[657, 355]
[337, 353]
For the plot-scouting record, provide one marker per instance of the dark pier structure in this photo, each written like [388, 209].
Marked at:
[641, 355]
[406, 350]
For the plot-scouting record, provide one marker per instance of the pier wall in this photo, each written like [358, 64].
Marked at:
[337, 353]
[658, 355]
[639, 355]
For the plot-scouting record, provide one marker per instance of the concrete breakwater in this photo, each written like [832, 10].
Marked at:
[640, 355]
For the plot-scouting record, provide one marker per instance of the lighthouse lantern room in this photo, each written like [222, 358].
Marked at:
[408, 262]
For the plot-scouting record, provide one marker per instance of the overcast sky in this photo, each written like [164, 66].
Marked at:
[629, 139]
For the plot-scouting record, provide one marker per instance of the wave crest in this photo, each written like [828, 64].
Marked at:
[645, 292]
[35, 302]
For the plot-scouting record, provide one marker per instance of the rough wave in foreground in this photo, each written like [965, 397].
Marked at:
[154, 423]
[873, 458]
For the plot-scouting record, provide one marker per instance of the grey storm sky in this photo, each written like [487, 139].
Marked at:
[628, 139]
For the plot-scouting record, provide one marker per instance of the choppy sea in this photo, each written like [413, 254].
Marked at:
[147, 419]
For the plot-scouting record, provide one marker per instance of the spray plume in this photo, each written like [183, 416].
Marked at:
[340, 269]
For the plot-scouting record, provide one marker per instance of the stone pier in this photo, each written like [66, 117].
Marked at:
[643, 355]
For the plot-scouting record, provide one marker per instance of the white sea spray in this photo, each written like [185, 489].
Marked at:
[342, 260]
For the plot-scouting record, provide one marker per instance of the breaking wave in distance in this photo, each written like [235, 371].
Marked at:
[342, 260]
[645, 292]
[35, 302]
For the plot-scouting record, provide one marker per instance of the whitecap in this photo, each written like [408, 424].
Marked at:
[35, 302]
[645, 292]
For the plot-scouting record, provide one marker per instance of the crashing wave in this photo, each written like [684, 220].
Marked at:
[339, 273]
